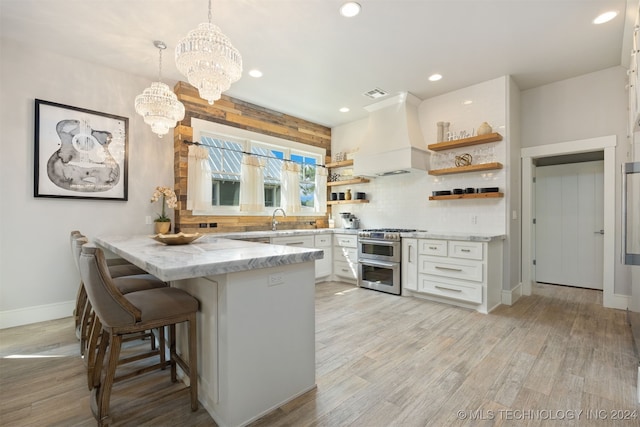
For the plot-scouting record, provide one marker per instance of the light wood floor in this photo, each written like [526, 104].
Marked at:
[381, 360]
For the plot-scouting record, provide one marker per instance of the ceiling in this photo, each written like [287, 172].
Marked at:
[316, 61]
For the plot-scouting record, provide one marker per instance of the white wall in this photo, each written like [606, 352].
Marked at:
[38, 280]
[583, 107]
[513, 244]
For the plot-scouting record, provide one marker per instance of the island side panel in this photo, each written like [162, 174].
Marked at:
[205, 290]
[264, 339]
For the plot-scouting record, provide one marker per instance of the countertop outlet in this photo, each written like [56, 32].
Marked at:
[275, 279]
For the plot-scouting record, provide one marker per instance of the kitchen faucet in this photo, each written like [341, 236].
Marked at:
[274, 223]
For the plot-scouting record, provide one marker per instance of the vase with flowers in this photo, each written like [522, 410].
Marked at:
[162, 224]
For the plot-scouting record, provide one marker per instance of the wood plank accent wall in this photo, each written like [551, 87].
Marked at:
[234, 112]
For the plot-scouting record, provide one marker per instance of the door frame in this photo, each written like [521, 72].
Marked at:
[528, 156]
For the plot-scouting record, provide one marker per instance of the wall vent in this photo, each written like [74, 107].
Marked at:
[375, 93]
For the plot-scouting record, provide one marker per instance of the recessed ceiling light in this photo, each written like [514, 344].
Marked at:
[605, 17]
[344, 110]
[467, 102]
[435, 77]
[350, 9]
[255, 73]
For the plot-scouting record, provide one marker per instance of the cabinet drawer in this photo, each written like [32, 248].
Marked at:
[345, 255]
[324, 266]
[461, 291]
[433, 247]
[447, 267]
[346, 240]
[345, 269]
[300, 241]
[323, 241]
[466, 250]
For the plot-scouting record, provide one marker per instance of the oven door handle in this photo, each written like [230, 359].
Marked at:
[378, 264]
[377, 242]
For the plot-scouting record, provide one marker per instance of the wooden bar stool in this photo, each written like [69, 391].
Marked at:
[134, 279]
[90, 328]
[120, 315]
[117, 268]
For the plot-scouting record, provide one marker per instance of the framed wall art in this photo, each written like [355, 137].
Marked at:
[79, 153]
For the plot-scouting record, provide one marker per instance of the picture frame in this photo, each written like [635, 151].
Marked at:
[80, 153]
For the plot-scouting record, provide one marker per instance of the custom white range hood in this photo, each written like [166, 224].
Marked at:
[393, 142]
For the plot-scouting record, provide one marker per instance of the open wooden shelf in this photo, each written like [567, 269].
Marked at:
[468, 196]
[465, 142]
[341, 164]
[463, 169]
[346, 202]
[356, 180]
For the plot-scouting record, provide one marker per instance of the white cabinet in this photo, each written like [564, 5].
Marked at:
[409, 272]
[301, 241]
[324, 266]
[463, 273]
[432, 247]
[345, 257]
[322, 241]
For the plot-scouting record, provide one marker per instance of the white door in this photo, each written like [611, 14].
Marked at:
[569, 231]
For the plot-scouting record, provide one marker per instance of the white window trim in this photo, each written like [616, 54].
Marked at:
[201, 127]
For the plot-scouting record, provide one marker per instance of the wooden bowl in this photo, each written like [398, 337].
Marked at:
[176, 239]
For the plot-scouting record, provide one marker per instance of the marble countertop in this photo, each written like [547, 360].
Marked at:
[283, 233]
[449, 235]
[420, 234]
[208, 256]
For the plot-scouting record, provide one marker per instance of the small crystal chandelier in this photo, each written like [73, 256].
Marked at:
[208, 60]
[158, 104]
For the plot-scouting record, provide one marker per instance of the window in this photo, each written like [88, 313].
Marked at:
[273, 165]
[225, 157]
[225, 170]
[307, 178]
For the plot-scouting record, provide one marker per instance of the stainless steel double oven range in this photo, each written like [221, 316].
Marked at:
[379, 258]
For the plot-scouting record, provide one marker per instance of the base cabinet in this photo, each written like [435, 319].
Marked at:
[324, 266]
[345, 257]
[462, 273]
[409, 268]
[319, 241]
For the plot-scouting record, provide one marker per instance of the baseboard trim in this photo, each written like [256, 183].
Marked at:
[37, 313]
[618, 301]
[512, 295]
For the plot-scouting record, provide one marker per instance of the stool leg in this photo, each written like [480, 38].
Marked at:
[193, 362]
[172, 351]
[95, 352]
[162, 347]
[153, 338]
[81, 301]
[85, 325]
[104, 395]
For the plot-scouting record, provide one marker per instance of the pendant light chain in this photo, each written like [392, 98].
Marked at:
[160, 65]
[209, 11]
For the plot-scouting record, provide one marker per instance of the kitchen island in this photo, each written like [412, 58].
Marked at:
[256, 322]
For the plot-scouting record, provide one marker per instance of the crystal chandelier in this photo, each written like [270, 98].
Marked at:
[208, 60]
[158, 104]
